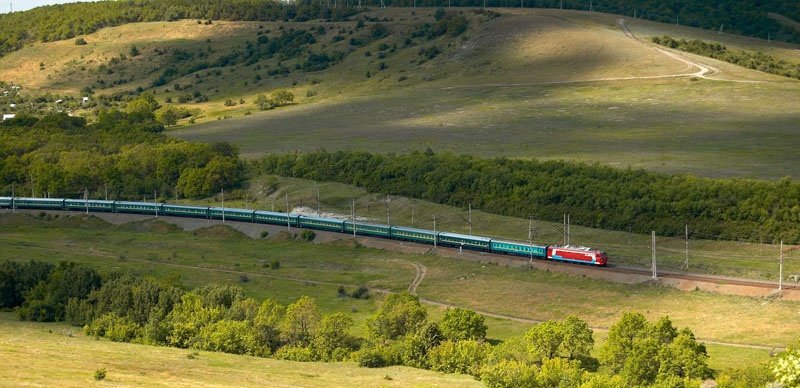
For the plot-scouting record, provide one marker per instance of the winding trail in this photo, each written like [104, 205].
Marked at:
[703, 71]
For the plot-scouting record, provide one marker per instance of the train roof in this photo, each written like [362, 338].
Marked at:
[518, 243]
[407, 229]
[92, 200]
[231, 209]
[271, 213]
[367, 224]
[39, 199]
[137, 203]
[328, 219]
[465, 236]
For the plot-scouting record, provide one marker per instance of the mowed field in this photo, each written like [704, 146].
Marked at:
[56, 354]
[536, 84]
[216, 254]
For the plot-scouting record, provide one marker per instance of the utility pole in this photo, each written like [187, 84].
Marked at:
[353, 210]
[780, 272]
[319, 213]
[591, 7]
[155, 202]
[223, 204]
[470, 219]
[86, 199]
[564, 229]
[288, 219]
[413, 207]
[720, 29]
[561, 5]
[434, 233]
[106, 185]
[568, 224]
[13, 201]
[387, 210]
[686, 238]
[655, 272]
[530, 237]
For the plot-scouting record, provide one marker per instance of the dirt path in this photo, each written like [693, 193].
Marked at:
[703, 71]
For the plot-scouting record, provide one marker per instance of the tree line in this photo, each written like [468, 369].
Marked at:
[123, 152]
[752, 60]
[59, 22]
[126, 308]
[594, 195]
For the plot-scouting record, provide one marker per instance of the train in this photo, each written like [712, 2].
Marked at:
[568, 254]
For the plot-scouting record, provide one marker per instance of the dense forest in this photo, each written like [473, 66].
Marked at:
[594, 195]
[60, 22]
[126, 308]
[756, 61]
[124, 153]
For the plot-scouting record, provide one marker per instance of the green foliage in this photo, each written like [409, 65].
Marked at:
[752, 376]
[558, 372]
[570, 338]
[399, 315]
[64, 155]
[598, 196]
[113, 327]
[16, 278]
[332, 341]
[459, 324]
[308, 235]
[510, 374]
[227, 336]
[80, 42]
[187, 318]
[216, 295]
[465, 356]
[756, 61]
[51, 23]
[46, 302]
[645, 353]
[301, 320]
[786, 367]
[295, 353]
[100, 374]
[414, 347]
[602, 380]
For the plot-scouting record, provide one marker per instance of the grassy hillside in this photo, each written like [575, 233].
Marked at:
[529, 84]
[317, 270]
[43, 354]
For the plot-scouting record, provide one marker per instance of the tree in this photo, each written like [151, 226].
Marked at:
[786, 367]
[167, 116]
[465, 356]
[262, 102]
[621, 338]
[187, 319]
[510, 374]
[301, 320]
[559, 372]
[281, 97]
[332, 341]
[458, 324]
[399, 315]
[416, 346]
[544, 340]
[577, 340]
[134, 51]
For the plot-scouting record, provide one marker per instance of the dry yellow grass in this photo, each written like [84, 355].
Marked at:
[58, 355]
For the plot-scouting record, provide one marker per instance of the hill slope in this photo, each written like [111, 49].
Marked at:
[519, 83]
[41, 354]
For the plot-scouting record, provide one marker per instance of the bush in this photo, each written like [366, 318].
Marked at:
[80, 42]
[295, 353]
[308, 235]
[509, 374]
[371, 358]
[362, 292]
[275, 264]
[459, 357]
[264, 234]
[100, 374]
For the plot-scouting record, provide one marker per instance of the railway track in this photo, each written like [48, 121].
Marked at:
[699, 277]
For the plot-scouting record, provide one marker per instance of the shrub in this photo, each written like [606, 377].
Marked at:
[509, 374]
[80, 42]
[100, 374]
[308, 235]
[275, 264]
[459, 357]
[264, 234]
[295, 353]
[362, 292]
